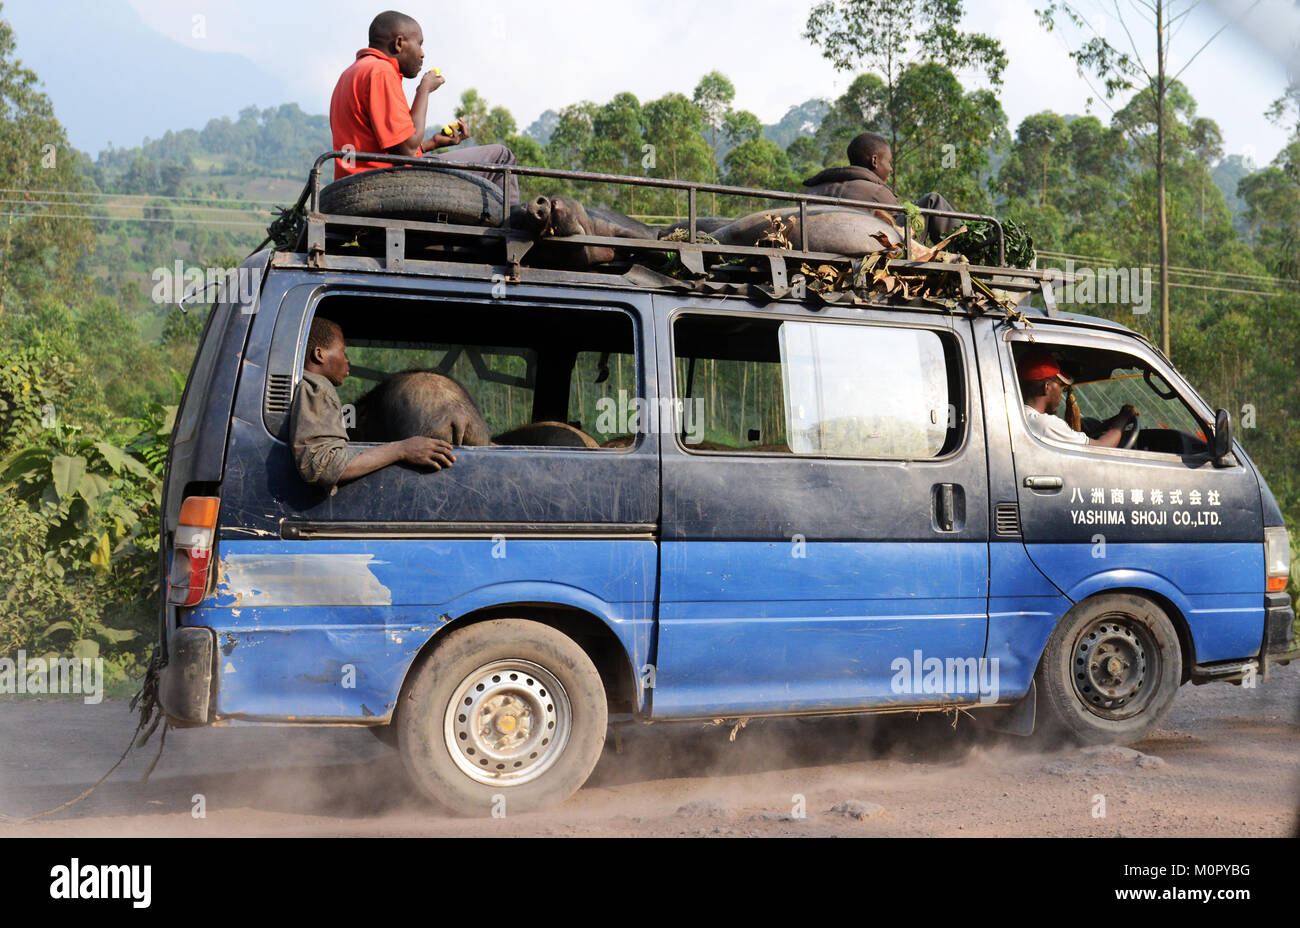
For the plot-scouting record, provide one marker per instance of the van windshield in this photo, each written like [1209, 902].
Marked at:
[1160, 407]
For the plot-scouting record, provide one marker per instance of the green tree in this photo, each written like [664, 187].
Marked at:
[38, 244]
[859, 109]
[805, 155]
[759, 162]
[945, 146]
[473, 111]
[1207, 142]
[674, 127]
[496, 127]
[571, 137]
[714, 95]
[1119, 70]
[887, 37]
[616, 129]
[740, 126]
[1039, 165]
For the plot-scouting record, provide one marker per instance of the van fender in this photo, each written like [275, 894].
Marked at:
[1136, 580]
[1017, 640]
[530, 591]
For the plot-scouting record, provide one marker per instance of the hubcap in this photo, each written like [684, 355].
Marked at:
[507, 723]
[1115, 666]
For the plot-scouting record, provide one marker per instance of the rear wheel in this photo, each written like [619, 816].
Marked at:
[1110, 670]
[503, 716]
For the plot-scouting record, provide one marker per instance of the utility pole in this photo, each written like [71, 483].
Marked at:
[1118, 68]
[1163, 216]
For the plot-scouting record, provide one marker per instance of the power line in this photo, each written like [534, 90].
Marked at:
[198, 222]
[1173, 284]
[1182, 269]
[85, 205]
[134, 196]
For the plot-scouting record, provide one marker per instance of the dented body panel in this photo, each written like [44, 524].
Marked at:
[327, 630]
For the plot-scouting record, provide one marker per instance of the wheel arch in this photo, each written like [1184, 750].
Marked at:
[589, 631]
[1185, 643]
[1149, 586]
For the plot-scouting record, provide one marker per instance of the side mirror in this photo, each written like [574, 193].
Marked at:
[1221, 441]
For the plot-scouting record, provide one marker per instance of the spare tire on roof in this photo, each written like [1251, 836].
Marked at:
[423, 194]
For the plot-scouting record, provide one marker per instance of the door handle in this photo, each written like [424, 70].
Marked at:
[1044, 482]
[949, 507]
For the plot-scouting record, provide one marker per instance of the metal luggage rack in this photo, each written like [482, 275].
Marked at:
[692, 252]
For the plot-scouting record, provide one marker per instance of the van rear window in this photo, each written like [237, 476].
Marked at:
[520, 364]
[824, 389]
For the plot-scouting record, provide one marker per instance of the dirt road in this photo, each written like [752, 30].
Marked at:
[1226, 762]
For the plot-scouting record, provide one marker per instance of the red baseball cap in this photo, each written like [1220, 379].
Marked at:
[1039, 365]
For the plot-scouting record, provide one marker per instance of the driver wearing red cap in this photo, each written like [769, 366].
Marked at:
[1041, 384]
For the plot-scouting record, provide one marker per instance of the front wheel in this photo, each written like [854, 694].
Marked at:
[502, 716]
[1110, 670]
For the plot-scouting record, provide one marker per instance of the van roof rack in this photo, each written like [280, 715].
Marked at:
[303, 227]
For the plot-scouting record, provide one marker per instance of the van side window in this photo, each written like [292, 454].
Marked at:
[602, 394]
[499, 378]
[521, 366]
[818, 388]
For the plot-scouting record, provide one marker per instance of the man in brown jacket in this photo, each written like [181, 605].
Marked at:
[321, 450]
[866, 178]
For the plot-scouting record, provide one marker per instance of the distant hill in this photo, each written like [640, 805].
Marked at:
[541, 128]
[277, 141]
[803, 119]
[119, 76]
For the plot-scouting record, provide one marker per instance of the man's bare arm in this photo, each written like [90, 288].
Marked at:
[413, 146]
[1114, 428]
[441, 140]
[419, 450]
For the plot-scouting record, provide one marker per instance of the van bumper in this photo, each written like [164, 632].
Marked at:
[1279, 646]
[1279, 628]
[185, 681]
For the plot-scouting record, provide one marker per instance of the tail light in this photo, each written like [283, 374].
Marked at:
[1277, 557]
[192, 550]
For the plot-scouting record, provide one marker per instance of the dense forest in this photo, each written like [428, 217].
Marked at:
[96, 353]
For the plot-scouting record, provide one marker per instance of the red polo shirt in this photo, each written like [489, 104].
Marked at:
[368, 110]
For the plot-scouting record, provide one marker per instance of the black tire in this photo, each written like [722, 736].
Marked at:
[437, 195]
[534, 710]
[1109, 672]
[385, 733]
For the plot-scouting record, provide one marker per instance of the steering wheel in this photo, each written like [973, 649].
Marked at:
[1128, 438]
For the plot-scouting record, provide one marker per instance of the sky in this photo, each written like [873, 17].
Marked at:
[122, 70]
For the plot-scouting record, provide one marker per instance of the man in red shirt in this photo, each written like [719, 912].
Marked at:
[369, 113]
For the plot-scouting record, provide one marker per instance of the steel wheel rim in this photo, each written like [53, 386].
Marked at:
[507, 723]
[1114, 666]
